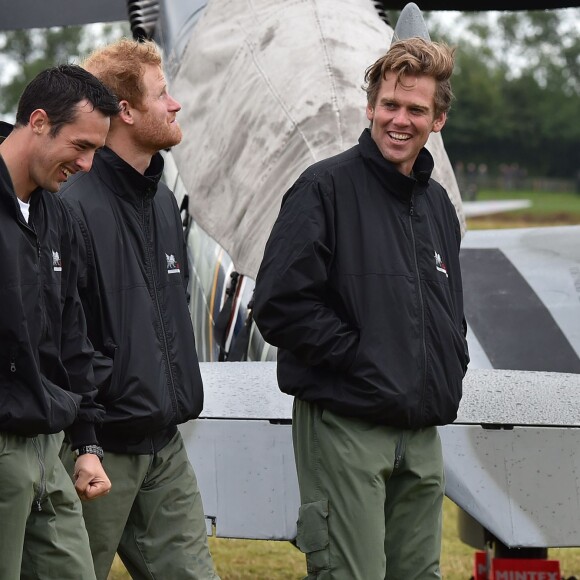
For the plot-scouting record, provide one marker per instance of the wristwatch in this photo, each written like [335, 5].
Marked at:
[93, 449]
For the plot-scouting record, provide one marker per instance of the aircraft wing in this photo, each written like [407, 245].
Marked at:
[522, 298]
[500, 455]
[489, 207]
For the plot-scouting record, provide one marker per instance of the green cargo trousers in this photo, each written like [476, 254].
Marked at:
[153, 516]
[371, 497]
[42, 533]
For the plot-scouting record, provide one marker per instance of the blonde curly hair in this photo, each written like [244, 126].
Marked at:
[417, 57]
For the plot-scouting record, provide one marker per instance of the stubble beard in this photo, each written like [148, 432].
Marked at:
[161, 136]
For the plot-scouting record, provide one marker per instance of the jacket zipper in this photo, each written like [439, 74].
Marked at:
[165, 346]
[42, 487]
[421, 304]
[30, 226]
[399, 451]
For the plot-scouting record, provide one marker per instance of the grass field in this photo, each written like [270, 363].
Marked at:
[266, 560]
[547, 209]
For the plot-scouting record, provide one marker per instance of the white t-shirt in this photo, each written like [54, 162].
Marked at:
[24, 208]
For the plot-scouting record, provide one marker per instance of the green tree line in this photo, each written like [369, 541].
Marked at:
[517, 84]
[517, 88]
[30, 51]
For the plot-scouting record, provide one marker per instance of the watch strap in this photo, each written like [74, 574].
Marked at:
[93, 449]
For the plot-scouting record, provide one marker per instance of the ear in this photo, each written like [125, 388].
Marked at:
[126, 114]
[370, 112]
[39, 122]
[439, 122]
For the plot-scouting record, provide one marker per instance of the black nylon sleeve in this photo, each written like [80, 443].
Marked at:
[76, 350]
[290, 306]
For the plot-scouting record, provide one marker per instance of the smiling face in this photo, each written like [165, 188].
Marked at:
[72, 149]
[403, 117]
[156, 127]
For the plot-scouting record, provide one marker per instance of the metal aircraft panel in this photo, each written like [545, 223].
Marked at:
[521, 484]
[47, 13]
[249, 391]
[522, 297]
[246, 474]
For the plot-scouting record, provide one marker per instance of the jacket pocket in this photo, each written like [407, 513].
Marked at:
[312, 537]
[30, 403]
[63, 406]
[35, 407]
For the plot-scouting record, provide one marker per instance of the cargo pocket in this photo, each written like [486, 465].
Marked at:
[312, 535]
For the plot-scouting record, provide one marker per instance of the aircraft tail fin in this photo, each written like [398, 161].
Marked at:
[410, 24]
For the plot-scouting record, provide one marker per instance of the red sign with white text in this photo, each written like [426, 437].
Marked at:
[515, 569]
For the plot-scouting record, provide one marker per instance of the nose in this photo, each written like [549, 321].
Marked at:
[401, 117]
[85, 161]
[174, 105]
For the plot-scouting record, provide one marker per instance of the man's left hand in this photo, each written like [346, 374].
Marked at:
[90, 478]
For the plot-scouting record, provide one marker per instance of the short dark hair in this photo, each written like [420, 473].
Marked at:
[58, 91]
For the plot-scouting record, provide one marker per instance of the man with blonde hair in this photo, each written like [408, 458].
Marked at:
[133, 288]
[360, 290]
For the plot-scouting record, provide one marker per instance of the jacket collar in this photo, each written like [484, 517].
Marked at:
[123, 179]
[7, 192]
[5, 130]
[6, 185]
[395, 182]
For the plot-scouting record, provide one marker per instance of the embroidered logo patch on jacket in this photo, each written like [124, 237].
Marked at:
[172, 264]
[56, 263]
[440, 265]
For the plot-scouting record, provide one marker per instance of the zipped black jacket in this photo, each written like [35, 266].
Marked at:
[133, 283]
[360, 290]
[46, 377]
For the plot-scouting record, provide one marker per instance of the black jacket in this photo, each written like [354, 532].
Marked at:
[133, 288]
[46, 377]
[360, 288]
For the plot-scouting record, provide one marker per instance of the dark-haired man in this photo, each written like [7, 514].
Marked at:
[46, 378]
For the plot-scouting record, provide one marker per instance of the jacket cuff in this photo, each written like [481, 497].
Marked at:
[81, 433]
